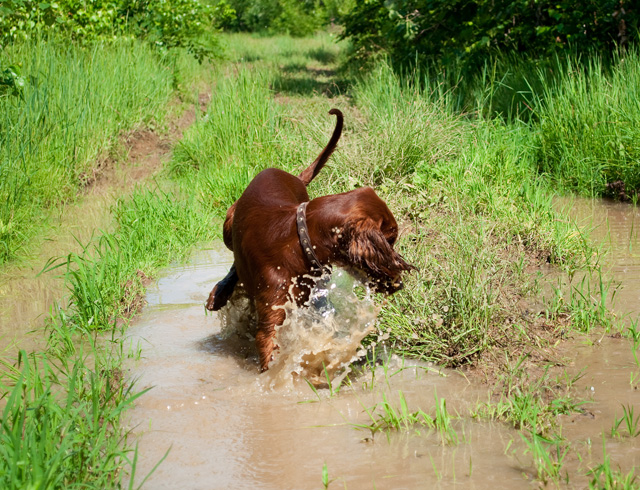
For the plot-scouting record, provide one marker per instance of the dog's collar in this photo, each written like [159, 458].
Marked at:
[305, 239]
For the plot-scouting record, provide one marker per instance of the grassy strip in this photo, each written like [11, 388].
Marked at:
[62, 407]
[59, 129]
[61, 424]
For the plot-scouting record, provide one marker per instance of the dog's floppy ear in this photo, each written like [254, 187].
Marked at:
[368, 248]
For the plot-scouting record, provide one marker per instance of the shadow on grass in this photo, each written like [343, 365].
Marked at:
[322, 55]
[298, 79]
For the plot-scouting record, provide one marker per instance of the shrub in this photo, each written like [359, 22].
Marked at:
[469, 30]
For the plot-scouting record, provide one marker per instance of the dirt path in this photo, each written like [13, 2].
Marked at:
[26, 296]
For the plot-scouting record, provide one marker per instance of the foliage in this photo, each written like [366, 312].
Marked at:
[168, 23]
[11, 83]
[467, 30]
[294, 17]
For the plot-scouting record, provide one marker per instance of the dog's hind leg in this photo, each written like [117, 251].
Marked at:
[221, 292]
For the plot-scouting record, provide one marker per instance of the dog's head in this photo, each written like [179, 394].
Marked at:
[367, 239]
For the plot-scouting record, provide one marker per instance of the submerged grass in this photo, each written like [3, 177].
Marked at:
[385, 417]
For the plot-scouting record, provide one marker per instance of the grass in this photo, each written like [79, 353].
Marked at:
[531, 403]
[59, 133]
[63, 406]
[476, 214]
[548, 458]
[588, 127]
[53, 438]
[385, 417]
[62, 420]
[606, 476]
[631, 423]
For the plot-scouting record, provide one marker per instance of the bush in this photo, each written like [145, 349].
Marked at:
[167, 23]
[297, 18]
[450, 30]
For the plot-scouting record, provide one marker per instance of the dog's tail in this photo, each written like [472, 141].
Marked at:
[312, 170]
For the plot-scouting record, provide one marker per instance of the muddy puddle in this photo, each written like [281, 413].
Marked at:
[26, 295]
[615, 227]
[225, 426]
[228, 427]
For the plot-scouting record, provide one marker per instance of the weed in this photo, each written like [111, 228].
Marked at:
[548, 457]
[603, 476]
[529, 405]
[631, 423]
[385, 417]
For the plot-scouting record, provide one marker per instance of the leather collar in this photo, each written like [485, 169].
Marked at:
[305, 240]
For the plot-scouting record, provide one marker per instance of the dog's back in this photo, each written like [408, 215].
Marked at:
[268, 176]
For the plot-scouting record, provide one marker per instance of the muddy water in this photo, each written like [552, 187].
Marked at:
[225, 426]
[26, 296]
[616, 226]
[611, 377]
[229, 427]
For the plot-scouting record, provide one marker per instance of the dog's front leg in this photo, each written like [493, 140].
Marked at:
[268, 318]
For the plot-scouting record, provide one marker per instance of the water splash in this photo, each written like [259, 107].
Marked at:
[316, 341]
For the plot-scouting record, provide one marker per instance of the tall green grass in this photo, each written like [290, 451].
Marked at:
[589, 126]
[582, 113]
[58, 133]
[243, 132]
[70, 438]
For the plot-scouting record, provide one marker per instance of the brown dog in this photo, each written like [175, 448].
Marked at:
[280, 239]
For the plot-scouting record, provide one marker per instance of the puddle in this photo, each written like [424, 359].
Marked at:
[27, 297]
[226, 427]
[616, 226]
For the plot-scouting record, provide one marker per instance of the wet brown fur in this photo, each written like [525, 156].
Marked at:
[354, 230]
